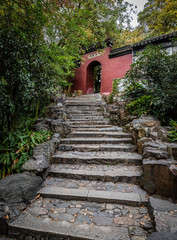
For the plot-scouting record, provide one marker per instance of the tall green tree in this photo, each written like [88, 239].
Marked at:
[40, 41]
[151, 83]
[159, 16]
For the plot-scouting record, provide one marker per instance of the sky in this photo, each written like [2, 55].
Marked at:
[140, 5]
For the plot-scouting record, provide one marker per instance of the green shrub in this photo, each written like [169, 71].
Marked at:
[110, 98]
[140, 106]
[134, 90]
[173, 133]
[115, 84]
[17, 147]
[115, 90]
[154, 74]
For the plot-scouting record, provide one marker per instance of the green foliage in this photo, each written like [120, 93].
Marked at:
[129, 36]
[134, 90]
[155, 70]
[111, 98]
[115, 90]
[159, 17]
[140, 106]
[115, 84]
[173, 133]
[17, 147]
[40, 42]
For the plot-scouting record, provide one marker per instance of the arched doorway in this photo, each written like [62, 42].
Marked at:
[93, 83]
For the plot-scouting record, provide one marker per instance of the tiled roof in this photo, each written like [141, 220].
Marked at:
[128, 48]
[155, 39]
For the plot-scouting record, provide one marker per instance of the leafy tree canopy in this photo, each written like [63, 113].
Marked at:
[159, 16]
[151, 83]
[129, 36]
[40, 42]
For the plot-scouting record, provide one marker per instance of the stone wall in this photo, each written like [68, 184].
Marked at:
[116, 112]
[159, 156]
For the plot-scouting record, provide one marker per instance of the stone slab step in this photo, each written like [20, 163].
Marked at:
[82, 134]
[104, 129]
[82, 103]
[89, 111]
[130, 199]
[85, 117]
[56, 219]
[100, 140]
[90, 126]
[98, 147]
[30, 227]
[97, 173]
[92, 95]
[82, 108]
[97, 157]
[94, 119]
[94, 185]
[85, 98]
[79, 122]
[85, 113]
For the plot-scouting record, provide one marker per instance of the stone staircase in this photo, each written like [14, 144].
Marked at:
[92, 190]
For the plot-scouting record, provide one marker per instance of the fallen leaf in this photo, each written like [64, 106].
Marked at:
[38, 196]
[7, 217]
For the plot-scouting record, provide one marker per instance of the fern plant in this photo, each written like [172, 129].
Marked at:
[173, 132]
[16, 149]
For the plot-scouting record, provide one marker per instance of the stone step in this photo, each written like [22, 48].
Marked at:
[97, 158]
[91, 126]
[92, 97]
[85, 117]
[85, 101]
[82, 103]
[82, 108]
[91, 120]
[98, 147]
[78, 134]
[84, 113]
[97, 129]
[88, 122]
[96, 140]
[93, 172]
[55, 219]
[129, 199]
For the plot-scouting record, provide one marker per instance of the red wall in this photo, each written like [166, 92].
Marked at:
[111, 69]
